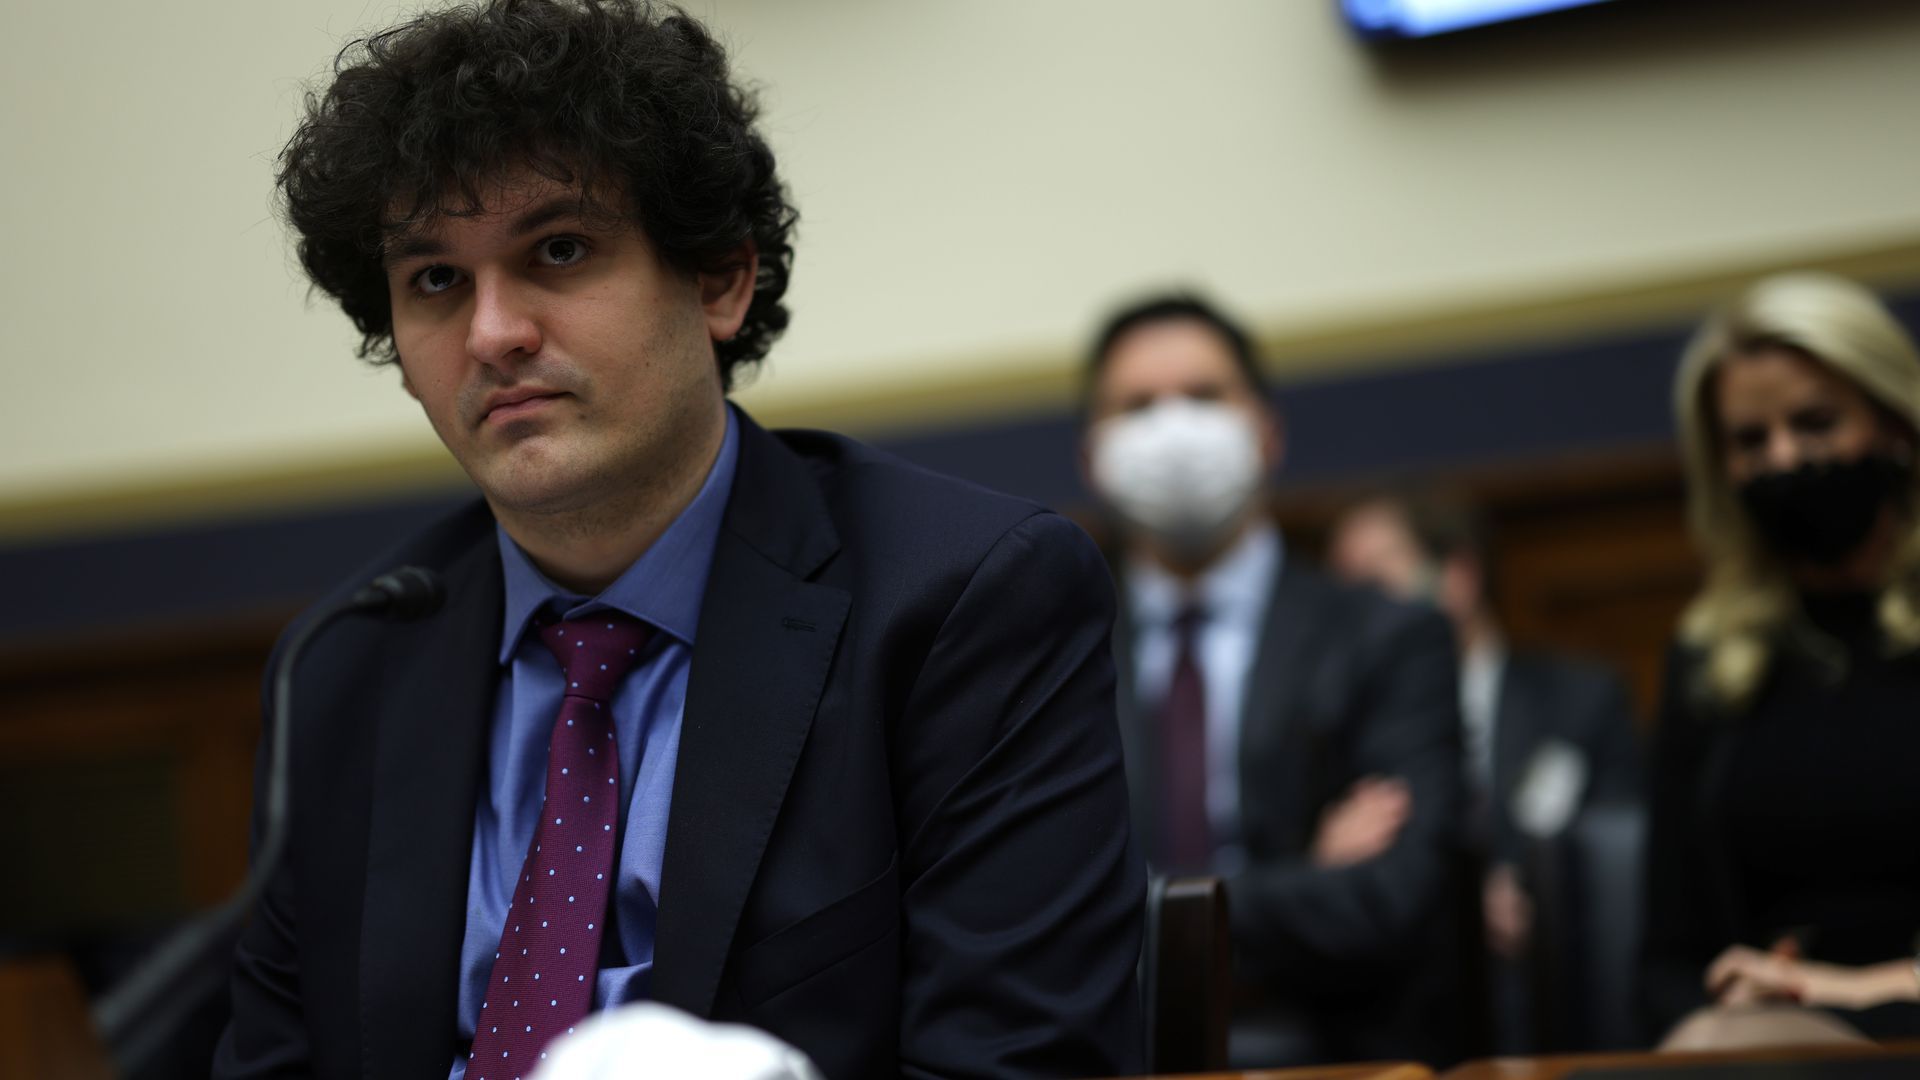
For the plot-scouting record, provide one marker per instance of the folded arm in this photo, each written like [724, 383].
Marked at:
[1318, 920]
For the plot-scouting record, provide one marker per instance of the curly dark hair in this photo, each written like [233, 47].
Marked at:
[628, 99]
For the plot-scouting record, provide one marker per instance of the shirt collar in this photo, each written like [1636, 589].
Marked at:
[662, 588]
[1234, 589]
[1485, 662]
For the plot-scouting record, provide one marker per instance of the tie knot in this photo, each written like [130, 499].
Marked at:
[1188, 622]
[596, 651]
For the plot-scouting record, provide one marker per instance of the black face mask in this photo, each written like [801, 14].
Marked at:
[1822, 512]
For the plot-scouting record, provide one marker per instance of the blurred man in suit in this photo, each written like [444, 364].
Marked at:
[1296, 736]
[1545, 736]
[769, 727]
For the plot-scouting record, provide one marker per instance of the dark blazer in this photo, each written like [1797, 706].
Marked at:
[1792, 815]
[1345, 684]
[1543, 698]
[898, 836]
[1692, 909]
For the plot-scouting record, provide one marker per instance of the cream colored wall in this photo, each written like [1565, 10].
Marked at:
[978, 180]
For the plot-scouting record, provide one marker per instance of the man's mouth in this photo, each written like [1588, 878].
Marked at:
[517, 404]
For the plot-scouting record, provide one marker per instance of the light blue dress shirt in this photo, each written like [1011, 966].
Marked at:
[662, 589]
[1235, 593]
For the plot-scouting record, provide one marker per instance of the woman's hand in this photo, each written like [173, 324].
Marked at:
[1746, 976]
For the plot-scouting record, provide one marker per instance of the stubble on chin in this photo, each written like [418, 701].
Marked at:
[535, 479]
[572, 492]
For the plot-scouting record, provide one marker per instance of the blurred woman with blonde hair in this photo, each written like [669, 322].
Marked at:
[1785, 801]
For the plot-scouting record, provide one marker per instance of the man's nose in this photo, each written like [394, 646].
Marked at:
[504, 325]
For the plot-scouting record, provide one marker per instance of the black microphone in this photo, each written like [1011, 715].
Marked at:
[135, 1017]
[406, 593]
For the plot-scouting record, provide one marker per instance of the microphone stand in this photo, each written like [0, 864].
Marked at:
[135, 1017]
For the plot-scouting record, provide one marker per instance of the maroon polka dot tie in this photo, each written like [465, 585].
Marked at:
[543, 974]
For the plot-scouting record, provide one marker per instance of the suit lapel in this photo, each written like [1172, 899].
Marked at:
[766, 640]
[1513, 733]
[1139, 729]
[1274, 770]
[438, 681]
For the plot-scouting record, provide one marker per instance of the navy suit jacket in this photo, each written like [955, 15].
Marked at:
[898, 836]
[1345, 683]
[1548, 697]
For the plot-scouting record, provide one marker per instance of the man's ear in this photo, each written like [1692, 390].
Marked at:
[726, 293]
[1273, 438]
[1462, 585]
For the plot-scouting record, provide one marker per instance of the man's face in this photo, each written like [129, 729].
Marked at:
[558, 359]
[1372, 544]
[1178, 358]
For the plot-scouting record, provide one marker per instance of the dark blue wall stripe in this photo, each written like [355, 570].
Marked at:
[1461, 410]
[1458, 411]
[193, 572]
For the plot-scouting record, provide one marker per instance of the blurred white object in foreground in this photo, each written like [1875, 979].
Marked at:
[652, 1040]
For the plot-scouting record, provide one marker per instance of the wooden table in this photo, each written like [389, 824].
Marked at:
[1557, 1068]
[1385, 1070]
[45, 1032]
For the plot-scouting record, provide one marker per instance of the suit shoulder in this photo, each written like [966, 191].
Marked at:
[1570, 672]
[1359, 611]
[906, 531]
[873, 494]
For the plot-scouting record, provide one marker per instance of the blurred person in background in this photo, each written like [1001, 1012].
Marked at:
[1545, 737]
[1294, 735]
[1784, 803]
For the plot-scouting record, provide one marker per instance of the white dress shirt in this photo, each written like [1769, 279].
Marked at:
[1480, 674]
[1233, 596]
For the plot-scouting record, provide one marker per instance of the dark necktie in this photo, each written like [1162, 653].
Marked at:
[1183, 727]
[543, 974]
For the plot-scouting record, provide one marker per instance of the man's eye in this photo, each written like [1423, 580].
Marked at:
[561, 251]
[436, 279]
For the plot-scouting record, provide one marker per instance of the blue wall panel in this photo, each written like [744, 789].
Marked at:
[1446, 413]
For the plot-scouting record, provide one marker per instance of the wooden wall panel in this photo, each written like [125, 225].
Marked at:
[127, 745]
[1606, 583]
[1588, 555]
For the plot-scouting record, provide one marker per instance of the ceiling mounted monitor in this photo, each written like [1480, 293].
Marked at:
[1424, 18]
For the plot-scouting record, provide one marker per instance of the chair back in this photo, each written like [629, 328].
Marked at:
[1186, 974]
[1587, 883]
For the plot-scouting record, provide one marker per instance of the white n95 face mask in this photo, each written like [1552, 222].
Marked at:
[1182, 470]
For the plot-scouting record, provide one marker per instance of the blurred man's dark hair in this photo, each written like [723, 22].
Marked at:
[1442, 528]
[1171, 307]
[628, 99]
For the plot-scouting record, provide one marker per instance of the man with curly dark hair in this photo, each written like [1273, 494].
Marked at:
[770, 727]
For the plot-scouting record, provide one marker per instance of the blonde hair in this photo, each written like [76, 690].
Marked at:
[1748, 599]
